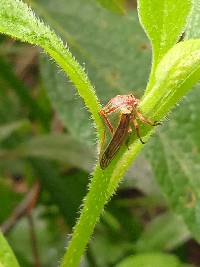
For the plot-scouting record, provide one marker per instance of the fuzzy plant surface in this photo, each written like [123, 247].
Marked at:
[7, 257]
[175, 69]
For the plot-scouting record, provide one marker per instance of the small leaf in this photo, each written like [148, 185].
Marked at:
[193, 29]
[151, 260]
[177, 72]
[163, 21]
[7, 258]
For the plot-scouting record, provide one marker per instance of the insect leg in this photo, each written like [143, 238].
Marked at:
[136, 126]
[103, 115]
[145, 120]
[128, 138]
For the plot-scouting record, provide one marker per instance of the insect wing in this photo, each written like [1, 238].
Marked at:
[118, 138]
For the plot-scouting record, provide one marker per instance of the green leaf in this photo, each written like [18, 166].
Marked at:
[7, 258]
[115, 235]
[165, 232]
[151, 260]
[18, 21]
[175, 75]
[66, 191]
[49, 236]
[193, 29]
[70, 108]
[163, 21]
[115, 51]
[9, 105]
[8, 129]
[22, 91]
[175, 161]
[114, 5]
[59, 147]
[10, 199]
[177, 72]
[102, 243]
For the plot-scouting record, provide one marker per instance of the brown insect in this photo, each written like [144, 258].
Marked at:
[127, 105]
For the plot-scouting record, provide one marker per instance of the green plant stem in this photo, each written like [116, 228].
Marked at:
[102, 187]
[151, 77]
[94, 201]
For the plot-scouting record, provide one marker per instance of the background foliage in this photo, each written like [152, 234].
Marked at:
[47, 135]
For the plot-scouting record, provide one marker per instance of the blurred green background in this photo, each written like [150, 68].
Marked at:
[48, 146]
